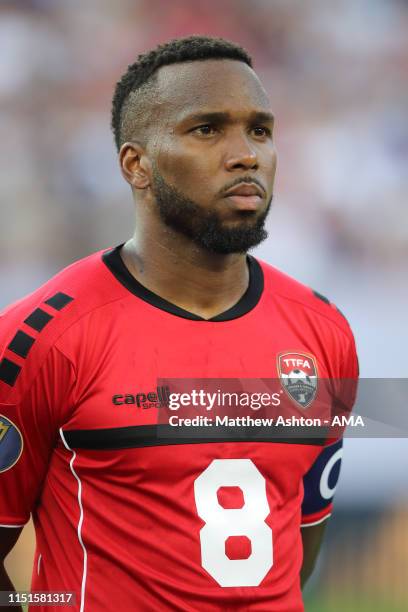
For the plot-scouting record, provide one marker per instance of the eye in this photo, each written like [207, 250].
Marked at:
[205, 130]
[261, 130]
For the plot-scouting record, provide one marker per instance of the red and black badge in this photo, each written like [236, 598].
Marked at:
[298, 374]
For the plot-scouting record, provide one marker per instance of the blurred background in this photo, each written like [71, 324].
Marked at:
[336, 73]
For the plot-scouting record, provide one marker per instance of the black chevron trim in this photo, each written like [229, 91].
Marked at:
[9, 371]
[21, 344]
[59, 301]
[38, 319]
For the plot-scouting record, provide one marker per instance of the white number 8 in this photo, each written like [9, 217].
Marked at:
[222, 523]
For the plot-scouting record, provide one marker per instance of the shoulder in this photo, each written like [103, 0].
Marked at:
[297, 298]
[30, 327]
[77, 289]
[314, 318]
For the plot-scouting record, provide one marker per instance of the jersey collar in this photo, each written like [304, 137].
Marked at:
[247, 302]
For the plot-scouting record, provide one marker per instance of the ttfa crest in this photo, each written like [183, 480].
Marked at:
[298, 374]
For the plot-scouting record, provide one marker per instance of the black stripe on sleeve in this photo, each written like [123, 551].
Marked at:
[59, 301]
[21, 344]
[38, 319]
[9, 371]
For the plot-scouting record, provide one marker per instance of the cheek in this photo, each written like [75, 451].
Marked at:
[270, 165]
[274, 164]
[188, 171]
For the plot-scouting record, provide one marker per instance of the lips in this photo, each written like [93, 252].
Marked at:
[245, 190]
[245, 197]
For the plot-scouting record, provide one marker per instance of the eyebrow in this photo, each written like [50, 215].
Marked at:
[225, 117]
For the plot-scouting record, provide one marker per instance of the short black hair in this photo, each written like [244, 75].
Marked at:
[130, 92]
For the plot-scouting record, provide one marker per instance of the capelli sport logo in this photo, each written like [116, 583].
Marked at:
[151, 399]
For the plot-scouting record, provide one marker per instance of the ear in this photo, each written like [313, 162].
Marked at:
[134, 165]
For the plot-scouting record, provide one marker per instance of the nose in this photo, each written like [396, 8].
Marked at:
[241, 155]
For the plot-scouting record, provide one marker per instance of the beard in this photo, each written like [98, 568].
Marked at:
[205, 228]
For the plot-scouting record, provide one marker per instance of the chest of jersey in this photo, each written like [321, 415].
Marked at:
[233, 506]
[126, 356]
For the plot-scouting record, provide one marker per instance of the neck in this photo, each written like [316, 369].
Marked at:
[186, 275]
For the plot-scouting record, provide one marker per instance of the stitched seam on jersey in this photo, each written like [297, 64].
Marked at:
[80, 317]
[81, 519]
[43, 364]
[352, 344]
[285, 297]
[57, 348]
[349, 336]
[88, 313]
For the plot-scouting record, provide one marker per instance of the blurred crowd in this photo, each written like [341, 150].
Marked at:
[336, 74]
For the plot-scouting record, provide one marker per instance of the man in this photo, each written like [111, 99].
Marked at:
[126, 516]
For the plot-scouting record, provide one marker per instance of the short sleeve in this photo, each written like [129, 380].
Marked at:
[321, 480]
[320, 484]
[29, 422]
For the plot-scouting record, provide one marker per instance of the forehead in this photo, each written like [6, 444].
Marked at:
[211, 85]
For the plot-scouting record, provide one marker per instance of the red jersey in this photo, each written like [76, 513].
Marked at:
[124, 517]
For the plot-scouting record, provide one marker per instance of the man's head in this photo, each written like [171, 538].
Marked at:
[192, 122]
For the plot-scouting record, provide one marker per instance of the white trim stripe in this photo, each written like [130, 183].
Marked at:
[316, 522]
[11, 526]
[38, 564]
[81, 519]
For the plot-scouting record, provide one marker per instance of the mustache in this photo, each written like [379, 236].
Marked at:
[242, 179]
